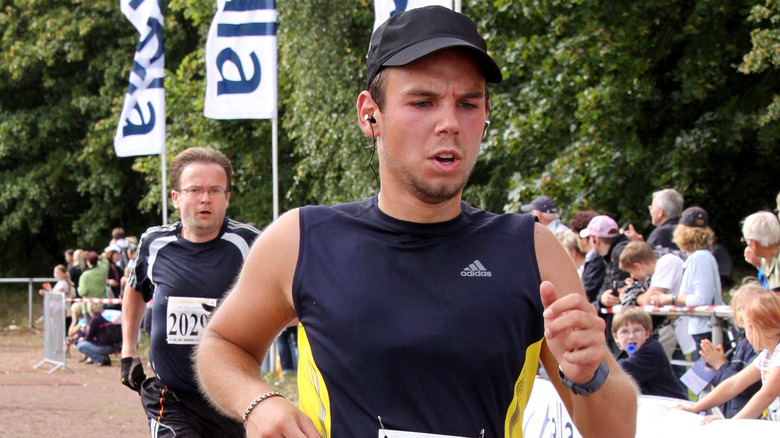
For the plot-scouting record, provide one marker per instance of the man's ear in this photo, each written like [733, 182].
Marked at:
[368, 114]
[175, 199]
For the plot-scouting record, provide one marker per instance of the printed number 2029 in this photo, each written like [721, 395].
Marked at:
[186, 324]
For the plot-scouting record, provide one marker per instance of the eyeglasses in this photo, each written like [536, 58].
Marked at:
[744, 241]
[636, 331]
[197, 191]
[650, 207]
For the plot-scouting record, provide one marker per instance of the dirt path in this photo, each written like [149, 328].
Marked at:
[87, 403]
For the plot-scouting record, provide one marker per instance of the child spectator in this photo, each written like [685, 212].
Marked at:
[743, 355]
[76, 330]
[642, 356]
[659, 276]
[664, 273]
[64, 285]
[760, 316]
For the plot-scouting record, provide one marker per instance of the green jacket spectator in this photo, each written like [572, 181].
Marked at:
[92, 283]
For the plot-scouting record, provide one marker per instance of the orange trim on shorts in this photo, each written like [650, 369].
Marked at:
[162, 408]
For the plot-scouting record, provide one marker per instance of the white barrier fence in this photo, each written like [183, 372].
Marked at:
[545, 416]
[54, 331]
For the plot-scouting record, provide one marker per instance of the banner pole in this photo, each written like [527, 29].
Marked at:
[275, 165]
[164, 185]
[456, 8]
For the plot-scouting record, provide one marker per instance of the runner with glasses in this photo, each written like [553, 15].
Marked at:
[185, 268]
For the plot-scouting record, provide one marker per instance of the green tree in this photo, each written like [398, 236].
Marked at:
[322, 57]
[59, 74]
[605, 102]
[602, 103]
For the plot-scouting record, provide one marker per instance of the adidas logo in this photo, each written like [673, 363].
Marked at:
[475, 269]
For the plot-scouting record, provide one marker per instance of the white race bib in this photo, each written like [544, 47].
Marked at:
[187, 319]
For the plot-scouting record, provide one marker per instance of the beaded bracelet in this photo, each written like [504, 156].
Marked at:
[258, 400]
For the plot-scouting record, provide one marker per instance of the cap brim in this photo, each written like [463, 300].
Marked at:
[584, 233]
[527, 207]
[424, 48]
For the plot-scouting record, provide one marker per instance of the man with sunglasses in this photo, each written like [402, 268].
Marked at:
[184, 268]
[419, 314]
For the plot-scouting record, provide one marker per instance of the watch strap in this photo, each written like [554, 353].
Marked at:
[586, 389]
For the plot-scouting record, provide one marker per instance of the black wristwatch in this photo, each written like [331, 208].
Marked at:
[586, 389]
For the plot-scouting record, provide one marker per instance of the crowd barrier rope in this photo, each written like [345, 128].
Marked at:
[54, 331]
[95, 300]
[721, 311]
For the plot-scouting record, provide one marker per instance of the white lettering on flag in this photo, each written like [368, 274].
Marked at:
[385, 9]
[241, 61]
[141, 129]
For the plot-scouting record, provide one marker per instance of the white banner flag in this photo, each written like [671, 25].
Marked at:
[385, 9]
[241, 61]
[141, 129]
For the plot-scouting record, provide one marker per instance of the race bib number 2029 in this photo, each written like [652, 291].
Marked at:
[187, 318]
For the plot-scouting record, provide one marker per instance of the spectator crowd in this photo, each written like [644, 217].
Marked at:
[94, 327]
[680, 263]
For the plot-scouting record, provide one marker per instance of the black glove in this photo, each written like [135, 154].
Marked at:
[132, 373]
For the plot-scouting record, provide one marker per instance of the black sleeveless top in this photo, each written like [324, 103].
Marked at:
[434, 327]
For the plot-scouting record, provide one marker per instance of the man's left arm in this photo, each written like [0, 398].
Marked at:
[575, 342]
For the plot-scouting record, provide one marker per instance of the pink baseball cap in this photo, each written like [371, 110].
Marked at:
[601, 226]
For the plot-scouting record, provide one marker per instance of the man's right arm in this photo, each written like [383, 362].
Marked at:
[133, 308]
[242, 330]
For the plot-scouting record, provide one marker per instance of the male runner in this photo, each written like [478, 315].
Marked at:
[418, 313]
[185, 267]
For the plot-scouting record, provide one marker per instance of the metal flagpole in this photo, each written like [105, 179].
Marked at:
[456, 8]
[275, 165]
[164, 185]
[269, 364]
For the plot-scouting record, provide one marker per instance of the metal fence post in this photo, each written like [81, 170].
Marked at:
[30, 302]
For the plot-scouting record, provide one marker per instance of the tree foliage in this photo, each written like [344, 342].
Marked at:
[602, 103]
[605, 102]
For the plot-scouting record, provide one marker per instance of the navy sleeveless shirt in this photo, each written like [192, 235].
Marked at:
[434, 327]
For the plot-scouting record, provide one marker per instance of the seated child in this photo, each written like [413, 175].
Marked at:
[642, 356]
[76, 329]
[760, 316]
[742, 356]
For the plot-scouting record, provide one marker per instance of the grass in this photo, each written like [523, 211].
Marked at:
[13, 306]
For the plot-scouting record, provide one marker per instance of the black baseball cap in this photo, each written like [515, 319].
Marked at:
[694, 217]
[542, 203]
[410, 35]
